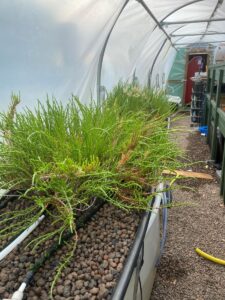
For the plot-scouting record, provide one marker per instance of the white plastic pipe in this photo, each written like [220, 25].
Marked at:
[3, 192]
[169, 123]
[156, 205]
[20, 238]
[18, 295]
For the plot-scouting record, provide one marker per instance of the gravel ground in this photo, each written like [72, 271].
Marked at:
[183, 274]
[102, 247]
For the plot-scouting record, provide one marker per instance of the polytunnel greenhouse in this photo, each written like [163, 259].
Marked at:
[112, 161]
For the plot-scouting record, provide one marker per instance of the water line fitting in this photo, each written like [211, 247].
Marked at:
[18, 295]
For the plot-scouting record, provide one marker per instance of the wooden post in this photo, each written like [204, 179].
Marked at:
[210, 106]
[214, 134]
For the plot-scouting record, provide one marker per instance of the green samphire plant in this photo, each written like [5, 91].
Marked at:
[66, 155]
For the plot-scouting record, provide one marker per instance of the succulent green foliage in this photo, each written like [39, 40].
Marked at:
[133, 98]
[65, 156]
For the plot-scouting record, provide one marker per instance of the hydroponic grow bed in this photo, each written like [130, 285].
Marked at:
[100, 257]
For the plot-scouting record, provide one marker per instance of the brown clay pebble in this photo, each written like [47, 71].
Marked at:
[94, 268]
[103, 292]
[94, 291]
[79, 284]
[109, 277]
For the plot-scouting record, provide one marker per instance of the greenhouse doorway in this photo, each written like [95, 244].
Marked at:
[195, 63]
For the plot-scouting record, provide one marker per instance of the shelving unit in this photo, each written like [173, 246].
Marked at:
[198, 101]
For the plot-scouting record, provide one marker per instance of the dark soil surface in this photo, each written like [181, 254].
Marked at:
[197, 223]
[102, 248]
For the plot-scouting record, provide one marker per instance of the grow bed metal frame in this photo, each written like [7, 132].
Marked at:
[215, 115]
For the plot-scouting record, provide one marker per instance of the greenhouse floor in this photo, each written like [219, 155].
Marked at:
[198, 222]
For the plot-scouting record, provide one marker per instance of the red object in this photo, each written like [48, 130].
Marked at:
[194, 65]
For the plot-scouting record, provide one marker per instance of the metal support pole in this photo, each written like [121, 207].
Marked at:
[214, 135]
[101, 56]
[199, 42]
[156, 21]
[210, 105]
[196, 34]
[155, 59]
[192, 21]
[219, 2]
[179, 8]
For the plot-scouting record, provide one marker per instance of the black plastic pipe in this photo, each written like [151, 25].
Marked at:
[56, 246]
[9, 196]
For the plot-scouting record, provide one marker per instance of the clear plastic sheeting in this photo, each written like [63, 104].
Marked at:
[196, 10]
[51, 47]
[146, 63]
[165, 59]
[55, 47]
[126, 44]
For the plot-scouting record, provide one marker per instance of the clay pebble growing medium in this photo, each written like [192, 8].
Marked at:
[103, 245]
[182, 274]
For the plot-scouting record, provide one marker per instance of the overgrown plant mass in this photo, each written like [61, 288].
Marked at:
[66, 156]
